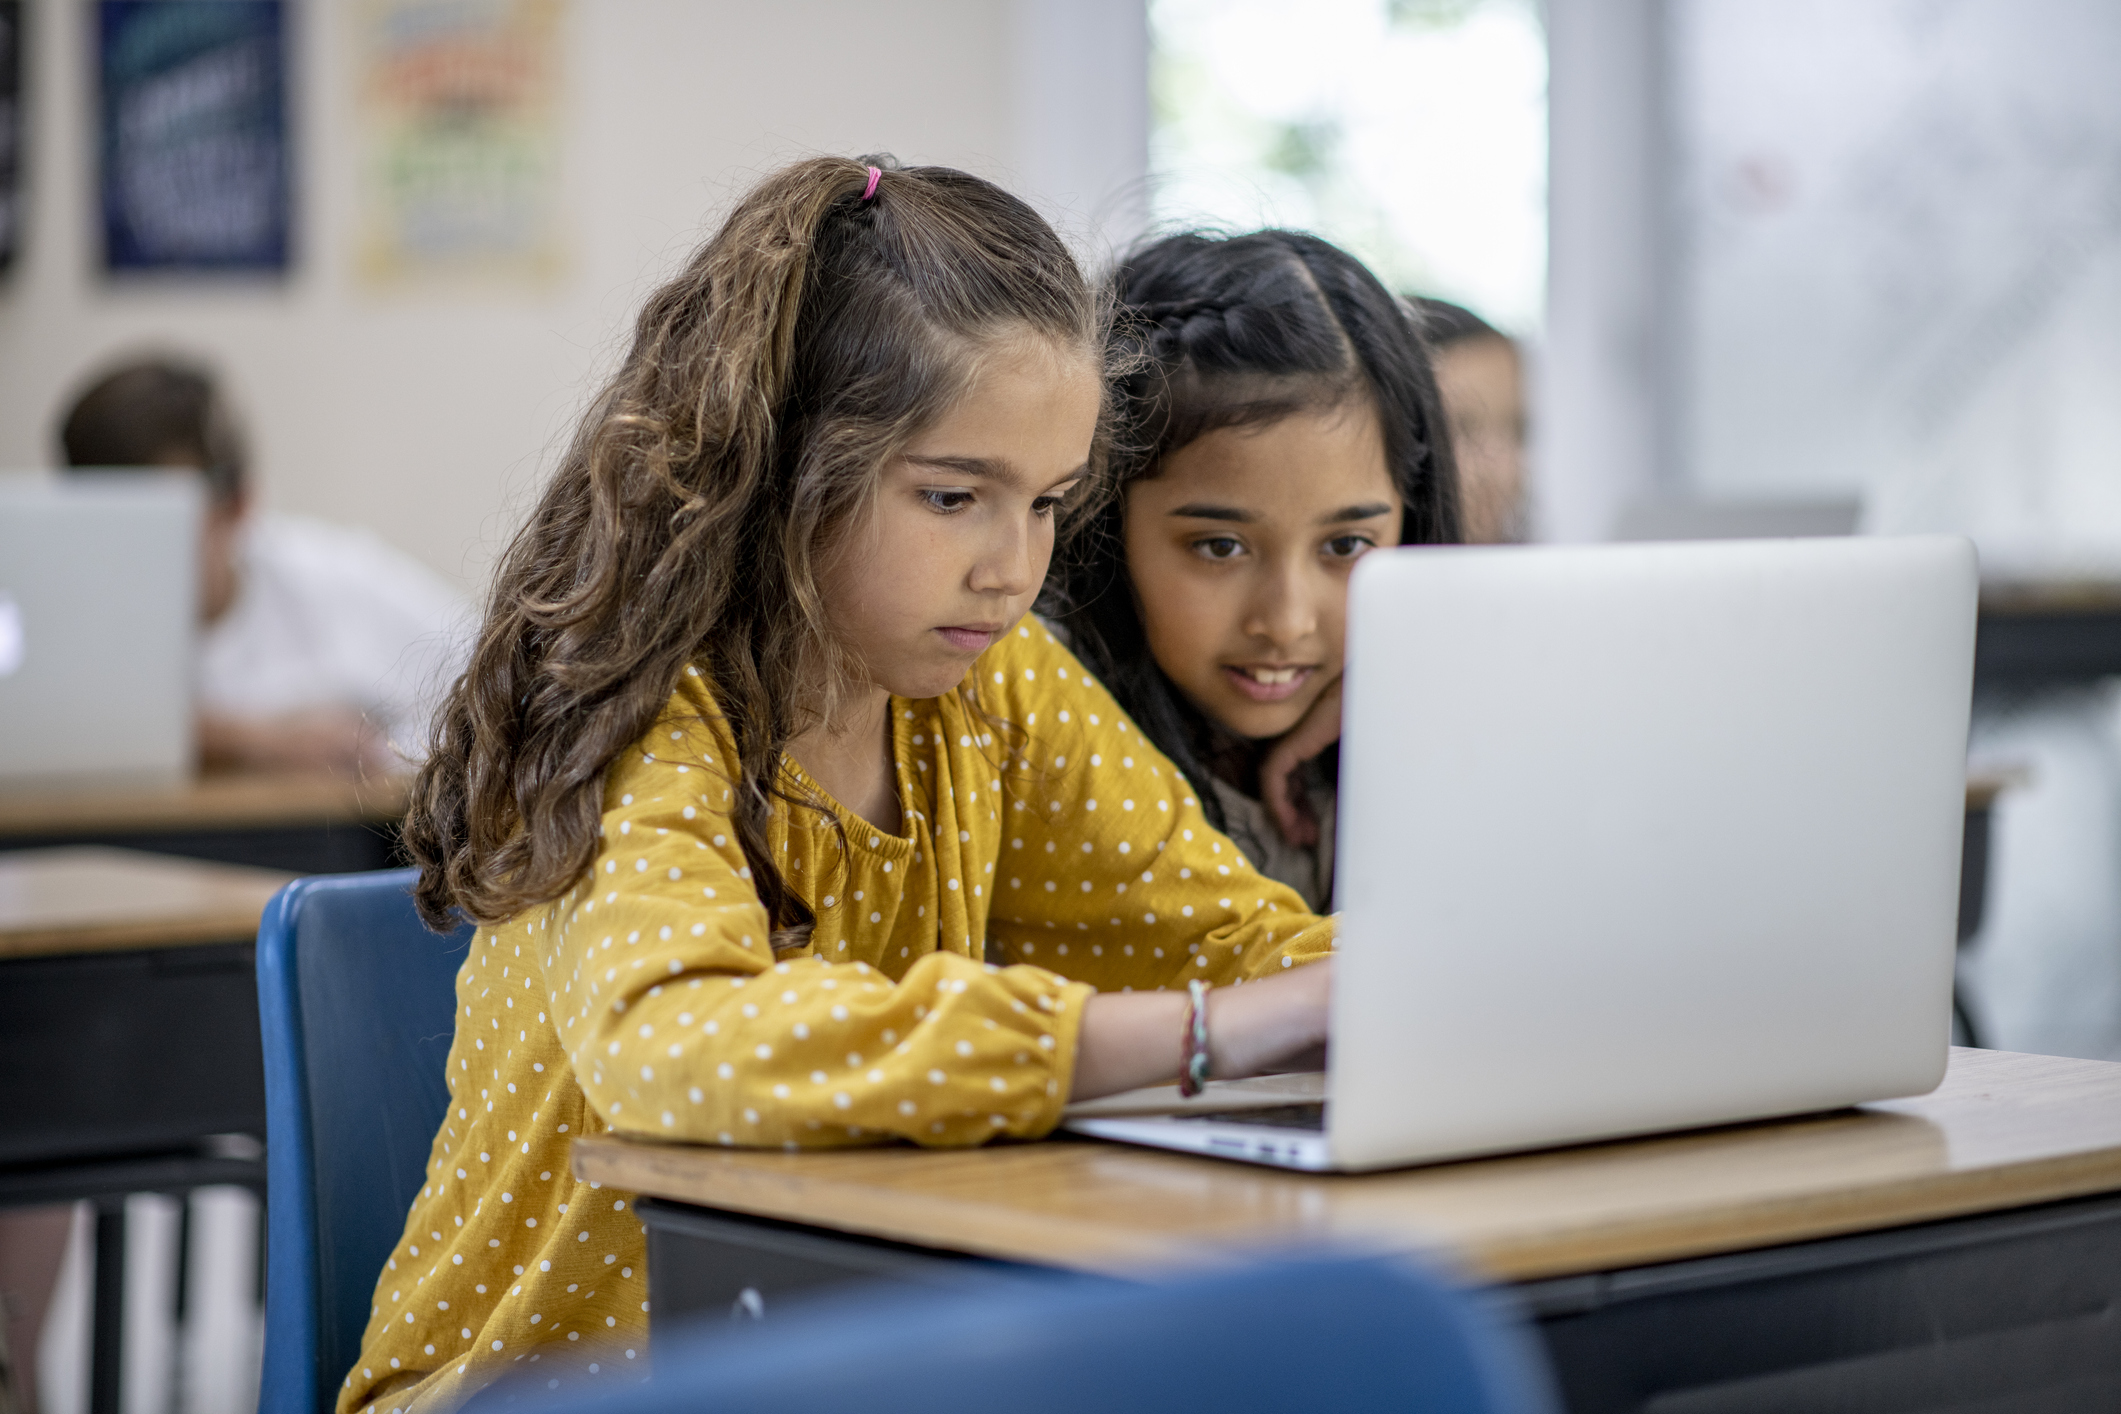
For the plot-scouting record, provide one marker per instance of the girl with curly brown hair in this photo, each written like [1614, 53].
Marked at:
[781, 823]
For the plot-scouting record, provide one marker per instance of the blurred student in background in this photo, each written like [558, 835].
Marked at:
[321, 646]
[1480, 376]
[1283, 424]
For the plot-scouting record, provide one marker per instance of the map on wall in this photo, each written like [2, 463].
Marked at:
[460, 138]
[1900, 230]
[192, 106]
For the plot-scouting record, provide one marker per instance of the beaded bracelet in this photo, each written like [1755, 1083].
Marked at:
[1193, 1078]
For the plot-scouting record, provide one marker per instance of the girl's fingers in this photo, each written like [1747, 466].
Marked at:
[1319, 729]
[1275, 789]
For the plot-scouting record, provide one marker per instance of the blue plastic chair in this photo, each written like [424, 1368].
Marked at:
[1345, 1334]
[357, 1000]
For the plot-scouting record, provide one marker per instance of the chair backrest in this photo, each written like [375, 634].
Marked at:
[1346, 1334]
[357, 1000]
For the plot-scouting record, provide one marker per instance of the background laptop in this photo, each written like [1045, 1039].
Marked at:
[99, 598]
[1632, 838]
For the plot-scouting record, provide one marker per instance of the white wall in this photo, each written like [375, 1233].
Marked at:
[431, 419]
[1598, 430]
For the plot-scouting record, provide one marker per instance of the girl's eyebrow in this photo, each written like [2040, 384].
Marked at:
[968, 466]
[990, 469]
[1200, 510]
[1362, 512]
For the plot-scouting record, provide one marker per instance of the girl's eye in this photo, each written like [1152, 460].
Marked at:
[947, 502]
[1347, 547]
[1218, 547]
[1044, 505]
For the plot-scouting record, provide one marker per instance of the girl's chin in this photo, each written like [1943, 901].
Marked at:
[1260, 721]
[921, 683]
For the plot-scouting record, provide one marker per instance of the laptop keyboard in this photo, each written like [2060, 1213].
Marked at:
[1307, 1116]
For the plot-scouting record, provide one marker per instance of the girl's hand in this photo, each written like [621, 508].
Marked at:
[1319, 729]
[1274, 1024]
[338, 739]
[1132, 1039]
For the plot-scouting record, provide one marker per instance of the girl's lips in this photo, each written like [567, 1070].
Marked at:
[1282, 682]
[969, 640]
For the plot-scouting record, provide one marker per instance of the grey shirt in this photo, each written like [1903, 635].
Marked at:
[1308, 870]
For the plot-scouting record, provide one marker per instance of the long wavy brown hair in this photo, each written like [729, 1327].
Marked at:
[799, 350]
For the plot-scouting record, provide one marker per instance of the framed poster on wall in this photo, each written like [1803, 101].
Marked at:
[192, 107]
[11, 62]
[459, 125]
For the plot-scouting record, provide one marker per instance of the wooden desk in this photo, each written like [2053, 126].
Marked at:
[92, 899]
[1891, 1249]
[128, 1003]
[302, 822]
[129, 1040]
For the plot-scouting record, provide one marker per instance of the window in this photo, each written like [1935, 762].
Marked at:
[1410, 132]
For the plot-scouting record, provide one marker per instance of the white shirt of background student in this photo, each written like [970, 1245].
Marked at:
[321, 645]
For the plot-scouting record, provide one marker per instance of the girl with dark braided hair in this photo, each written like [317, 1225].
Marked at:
[1281, 421]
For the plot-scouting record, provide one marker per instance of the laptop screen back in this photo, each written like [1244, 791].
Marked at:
[1641, 837]
[99, 595]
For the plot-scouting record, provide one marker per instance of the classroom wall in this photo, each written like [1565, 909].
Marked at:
[431, 417]
[1596, 428]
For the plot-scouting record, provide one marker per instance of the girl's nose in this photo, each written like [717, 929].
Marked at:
[1284, 607]
[1010, 566]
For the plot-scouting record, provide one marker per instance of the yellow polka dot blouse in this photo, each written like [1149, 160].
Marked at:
[1050, 851]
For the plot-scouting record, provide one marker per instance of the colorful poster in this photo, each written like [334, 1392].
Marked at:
[193, 107]
[461, 140]
[10, 131]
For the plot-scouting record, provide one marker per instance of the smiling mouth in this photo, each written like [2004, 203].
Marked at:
[1263, 682]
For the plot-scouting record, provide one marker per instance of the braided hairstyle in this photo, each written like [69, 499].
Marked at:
[1241, 331]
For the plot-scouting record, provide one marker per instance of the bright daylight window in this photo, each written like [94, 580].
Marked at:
[1410, 132]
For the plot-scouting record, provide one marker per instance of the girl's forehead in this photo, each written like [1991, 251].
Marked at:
[1018, 345]
[1024, 404]
[1313, 455]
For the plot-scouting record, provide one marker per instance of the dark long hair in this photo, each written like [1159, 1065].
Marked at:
[801, 347]
[1232, 332]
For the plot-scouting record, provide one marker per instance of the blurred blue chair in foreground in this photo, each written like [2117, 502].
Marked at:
[357, 1001]
[1348, 1335]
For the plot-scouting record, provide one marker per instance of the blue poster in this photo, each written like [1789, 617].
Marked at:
[10, 130]
[195, 162]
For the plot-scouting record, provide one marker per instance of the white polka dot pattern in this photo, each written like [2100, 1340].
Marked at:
[647, 999]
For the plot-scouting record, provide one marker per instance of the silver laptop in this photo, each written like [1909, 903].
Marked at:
[1632, 838]
[99, 594]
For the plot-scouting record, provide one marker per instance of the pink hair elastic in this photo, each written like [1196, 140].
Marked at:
[876, 174]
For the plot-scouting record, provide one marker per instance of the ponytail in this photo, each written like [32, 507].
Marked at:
[798, 350]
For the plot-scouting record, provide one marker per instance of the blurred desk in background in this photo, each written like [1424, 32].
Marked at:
[300, 822]
[128, 1007]
[2048, 633]
[129, 1043]
[1982, 788]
